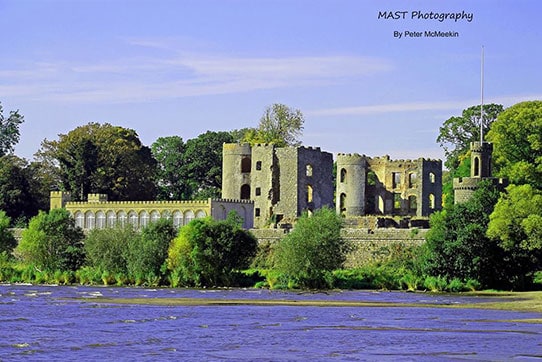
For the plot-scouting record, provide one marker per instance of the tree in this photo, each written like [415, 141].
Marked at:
[457, 244]
[9, 131]
[7, 240]
[209, 253]
[15, 191]
[203, 160]
[101, 158]
[107, 249]
[517, 139]
[169, 153]
[279, 125]
[457, 133]
[52, 242]
[517, 219]
[308, 254]
[148, 253]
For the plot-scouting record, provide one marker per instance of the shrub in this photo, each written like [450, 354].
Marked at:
[52, 242]
[7, 240]
[107, 249]
[308, 254]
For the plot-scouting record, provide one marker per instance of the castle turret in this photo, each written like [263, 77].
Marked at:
[351, 181]
[58, 199]
[236, 170]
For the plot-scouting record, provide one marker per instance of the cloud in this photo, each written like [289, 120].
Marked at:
[416, 106]
[179, 75]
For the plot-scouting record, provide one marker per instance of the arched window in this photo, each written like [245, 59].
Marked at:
[245, 192]
[431, 201]
[200, 214]
[342, 202]
[343, 175]
[245, 164]
[309, 170]
[144, 219]
[258, 165]
[155, 216]
[122, 217]
[79, 219]
[309, 193]
[133, 218]
[476, 166]
[431, 177]
[100, 220]
[89, 220]
[177, 219]
[412, 203]
[188, 216]
[111, 219]
[412, 179]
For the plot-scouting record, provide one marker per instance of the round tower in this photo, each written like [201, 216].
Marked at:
[481, 159]
[351, 181]
[236, 168]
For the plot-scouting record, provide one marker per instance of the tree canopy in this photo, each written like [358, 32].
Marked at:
[517, 139]
[456, 133]
[279, 125]
[9, 131]
[101, 158]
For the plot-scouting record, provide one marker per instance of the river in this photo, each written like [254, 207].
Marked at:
[71, 323]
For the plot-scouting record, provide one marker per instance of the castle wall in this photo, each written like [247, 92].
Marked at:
[232, 169]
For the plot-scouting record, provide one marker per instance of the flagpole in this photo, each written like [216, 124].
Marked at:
[482, 98]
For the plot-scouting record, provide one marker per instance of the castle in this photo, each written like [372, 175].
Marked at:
[269, 185]
[480, 170]
[285, 181]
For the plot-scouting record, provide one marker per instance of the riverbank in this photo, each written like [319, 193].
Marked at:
[510, 301]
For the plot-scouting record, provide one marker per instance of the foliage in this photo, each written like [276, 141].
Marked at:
[106, 249]
[15, 190]
[516, 224]
[52, 242]
[309, 253]
[279, 125]
[517, 138]
[169, 153]
[148, 252]
[9, 131]
[7, 240]
[457, 246]
[456, 134]
[101, 158]
[208, 252]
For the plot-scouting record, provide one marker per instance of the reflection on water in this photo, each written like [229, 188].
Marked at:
[53, 323]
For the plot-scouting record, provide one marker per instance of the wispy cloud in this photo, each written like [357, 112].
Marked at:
[179, 75]
[416, 106]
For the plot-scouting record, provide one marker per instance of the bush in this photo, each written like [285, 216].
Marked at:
[209, 253]
[107, 249]
[308, 254]
[52, 242]
[7, 240]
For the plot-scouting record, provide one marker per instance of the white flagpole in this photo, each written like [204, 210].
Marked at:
[482, 99]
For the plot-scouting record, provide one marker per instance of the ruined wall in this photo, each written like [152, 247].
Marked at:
[233, 176]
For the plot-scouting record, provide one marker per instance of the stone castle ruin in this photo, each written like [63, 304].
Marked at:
[480, 170]
[285, 181]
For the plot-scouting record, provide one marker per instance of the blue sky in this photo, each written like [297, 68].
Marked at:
[184, 67]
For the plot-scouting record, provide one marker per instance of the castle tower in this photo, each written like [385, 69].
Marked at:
[480, 159]
[351, 182]
[58, 199]
[236, 171]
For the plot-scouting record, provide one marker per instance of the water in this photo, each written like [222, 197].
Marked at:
[44, 323]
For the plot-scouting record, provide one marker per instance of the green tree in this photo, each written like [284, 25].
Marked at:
[309, 253]
[169, 153]
[15, 191]
[457, 245]
[516, 223]
[517, 139]
[107, 249]
[456, 134]
[148, 253]
[7, 240]
[52, 242]
[203, 160]
[9, 131]
[279, 125]
[209, 253]
[101, 158]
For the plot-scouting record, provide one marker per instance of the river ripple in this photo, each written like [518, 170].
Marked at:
[68, 323]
